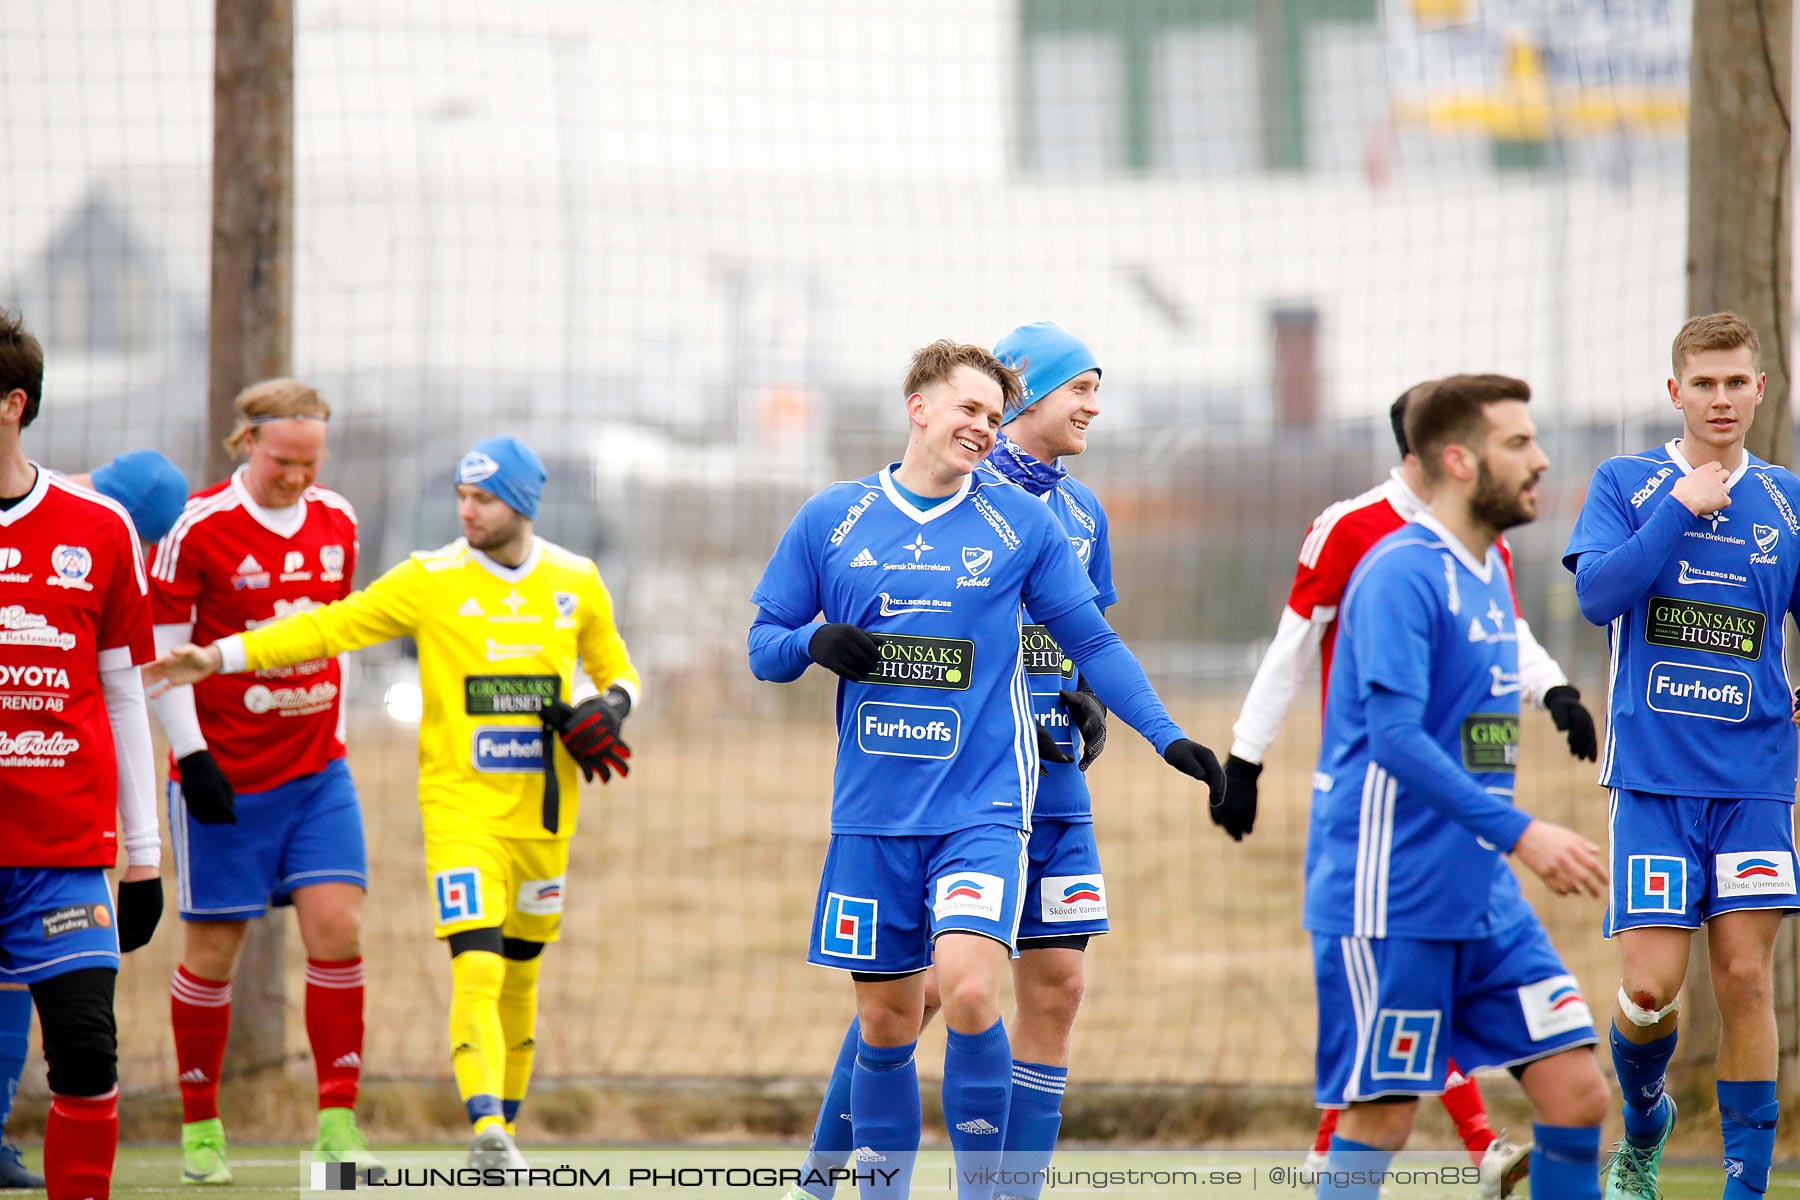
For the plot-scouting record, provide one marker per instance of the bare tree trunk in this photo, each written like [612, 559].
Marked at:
[251, 339]
[1740, 258]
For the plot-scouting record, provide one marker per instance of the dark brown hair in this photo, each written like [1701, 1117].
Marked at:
[1453, 411]
[21, 364]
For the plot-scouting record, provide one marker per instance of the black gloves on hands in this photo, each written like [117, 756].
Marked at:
[139, 906]
[1048, 750]
[1191, 758]
[590, 730]
[1570, 716]
[207, 794]
[1238, 814]
[1089, 716]
[844, 650]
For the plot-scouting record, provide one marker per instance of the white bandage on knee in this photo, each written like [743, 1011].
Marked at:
[1643, 1018]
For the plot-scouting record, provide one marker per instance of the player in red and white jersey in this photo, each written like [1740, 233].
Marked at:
[262, 808]
[74, 747]
[1334, 545]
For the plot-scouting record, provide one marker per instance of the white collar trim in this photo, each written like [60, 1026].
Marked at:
[1483, 570]
[39, 487]
[1408, 503]
[500, 570]
[282, 522]
[1673, 446]
[906, 506]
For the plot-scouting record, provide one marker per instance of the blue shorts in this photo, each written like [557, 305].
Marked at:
[1679, 861]
[1065, 894]
[54, 920]
[304, 832]
[1393, 1012]
[882, 900]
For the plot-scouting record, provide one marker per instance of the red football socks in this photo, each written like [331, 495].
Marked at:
[200, 1011]
[334, 1026]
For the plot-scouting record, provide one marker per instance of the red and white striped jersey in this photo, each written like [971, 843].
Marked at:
[74, 601]
[229, 565]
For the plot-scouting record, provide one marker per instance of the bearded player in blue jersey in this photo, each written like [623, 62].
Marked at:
[1424, 947]
[920, 571]
[1065, 892]
[1688, 552]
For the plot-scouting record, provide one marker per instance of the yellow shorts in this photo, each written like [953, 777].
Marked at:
[480, 881]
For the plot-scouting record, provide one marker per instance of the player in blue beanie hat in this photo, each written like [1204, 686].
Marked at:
[1046, 356]
[149, 487]
[507, 469]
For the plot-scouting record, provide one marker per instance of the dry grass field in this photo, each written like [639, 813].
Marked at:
[691, 890]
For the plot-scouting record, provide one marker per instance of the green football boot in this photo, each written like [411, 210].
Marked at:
[340, 1140]
[203, 1153]
[1631, 1173]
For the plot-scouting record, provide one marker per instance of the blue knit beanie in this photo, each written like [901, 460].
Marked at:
[508, 469]
[146, 485]
[1046, 356]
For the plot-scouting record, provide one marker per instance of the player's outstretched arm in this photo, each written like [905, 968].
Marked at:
[181, 667]
[1563, 859]
[1265, 710]
[1119, 681]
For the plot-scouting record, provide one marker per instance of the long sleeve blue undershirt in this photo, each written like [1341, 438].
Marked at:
[778, 654]
[1398, 741]
[1608, 583]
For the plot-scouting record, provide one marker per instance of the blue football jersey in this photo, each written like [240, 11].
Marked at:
[1700, 700]
[940, 736]
[1062, 790]
[1421, 618]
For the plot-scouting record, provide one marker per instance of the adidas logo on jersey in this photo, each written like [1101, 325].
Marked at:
[470, 609]
[864, 559]
[193, 1075]
[978, 1125]
[352, 1059]
[249, 566]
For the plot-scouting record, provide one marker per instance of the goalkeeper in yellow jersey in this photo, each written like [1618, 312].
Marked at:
[501, 618]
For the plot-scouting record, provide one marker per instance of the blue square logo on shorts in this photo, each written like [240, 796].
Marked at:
[458, 894]
[849, 927]
[1405, 1043]
[1658, 884]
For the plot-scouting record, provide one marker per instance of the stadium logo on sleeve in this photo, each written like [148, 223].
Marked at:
[1405, 1043]
[458, 892]
[1657, 884]
[1650, 485]
[969, 894]
[848, 930]
[1707, 692]
[1754, 873]
[72, 565]
[1072, 898]
[1554, 1006]
[508, 751]
[540, 897]
[852, 516]
[907, 730]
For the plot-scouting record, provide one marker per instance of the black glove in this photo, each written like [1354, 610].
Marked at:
[1191, 758]
[1238, 813]
[139, 907]
[590, 730]
[844, 650]
[1048, 750]
[206, 791]
[1566, 709]
[1089, 716]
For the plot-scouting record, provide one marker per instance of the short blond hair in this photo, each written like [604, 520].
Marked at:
[273, 400]
[1714, 331]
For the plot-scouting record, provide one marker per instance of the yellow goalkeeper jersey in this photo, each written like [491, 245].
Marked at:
[495, 644]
